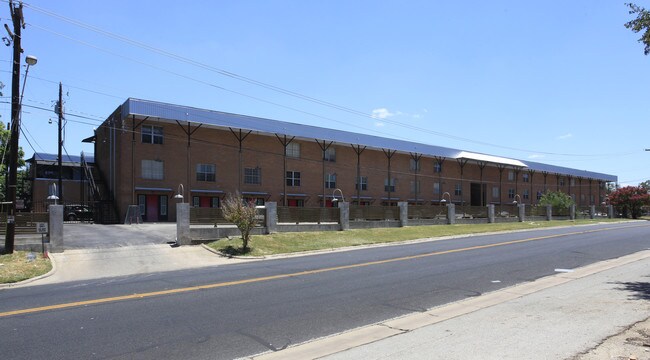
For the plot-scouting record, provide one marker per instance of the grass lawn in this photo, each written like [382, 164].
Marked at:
[283, 243]
[16, 267]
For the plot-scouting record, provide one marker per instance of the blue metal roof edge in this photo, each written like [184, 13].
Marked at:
[133, 106]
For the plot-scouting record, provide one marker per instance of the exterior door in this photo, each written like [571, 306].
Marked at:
[152, 208]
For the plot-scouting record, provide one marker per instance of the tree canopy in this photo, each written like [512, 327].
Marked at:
[640, 25]
[629, 200]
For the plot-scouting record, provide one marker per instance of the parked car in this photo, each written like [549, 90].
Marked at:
[77, 212]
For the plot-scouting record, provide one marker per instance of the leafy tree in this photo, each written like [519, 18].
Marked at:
[4, 161]
[242, 214]
[640, 24]
[556, 199]
[629, 200]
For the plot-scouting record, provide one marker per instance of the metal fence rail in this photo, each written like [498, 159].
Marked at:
[471, 212]
[427, 212]
[504, 211]
[535, 210]
[297, 215]
[206, 216]
[25, 222]
[374, 213]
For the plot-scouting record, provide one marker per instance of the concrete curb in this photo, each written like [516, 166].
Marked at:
[24, 282]
[333, 344]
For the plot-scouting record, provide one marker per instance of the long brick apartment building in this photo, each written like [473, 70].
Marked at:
[145, 150]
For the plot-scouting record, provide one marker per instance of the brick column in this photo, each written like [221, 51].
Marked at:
[183, 224]
[56, 229]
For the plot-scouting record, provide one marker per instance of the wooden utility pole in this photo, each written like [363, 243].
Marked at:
[60, 113]
[18, 23]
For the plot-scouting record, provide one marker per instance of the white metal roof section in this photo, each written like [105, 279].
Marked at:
[490, 159]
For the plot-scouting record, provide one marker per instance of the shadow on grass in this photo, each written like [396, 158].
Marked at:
[235, 251]
[639, 290]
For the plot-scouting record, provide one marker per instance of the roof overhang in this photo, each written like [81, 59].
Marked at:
[490, 159]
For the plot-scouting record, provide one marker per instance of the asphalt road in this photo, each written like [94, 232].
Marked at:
[239, 310]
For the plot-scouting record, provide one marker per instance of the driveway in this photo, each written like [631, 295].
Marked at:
[94, 236]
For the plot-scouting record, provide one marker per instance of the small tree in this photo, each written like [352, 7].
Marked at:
[629, 200]
[556, 199]
[240, 213]
[640, 25]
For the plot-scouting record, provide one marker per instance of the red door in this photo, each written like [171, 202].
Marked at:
[152, 208]
[205, 201]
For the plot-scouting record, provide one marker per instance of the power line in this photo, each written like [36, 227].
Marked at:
[278, 89]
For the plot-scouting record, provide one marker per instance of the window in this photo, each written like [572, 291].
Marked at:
[437, 167]
[330, 154]
[293, 178]
[526, 194]
[572, 182]
[526, 178]
[293, 150]
[253, 176]
[495, 192]
[511, 193]
[389, 185]
[205, 172]
[561, 181]
[256, 201]
[539, 195]
[458, 191]
[196, 201]
[152, 134]
[364, 183]
[436, 188]
[142, 203]
[152, 169]
[214, 202]
[415, 187]
[415, 165]
[330, 181]
[511, 175]
[163, 205]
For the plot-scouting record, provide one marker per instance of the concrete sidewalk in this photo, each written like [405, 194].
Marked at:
[557, 317]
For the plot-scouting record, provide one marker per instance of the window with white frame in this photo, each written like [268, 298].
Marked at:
[206, 172]
[152, 134]
[415, 186]
[152, 169]
[414, 165]
[253, 176]
[389, 184]
[330, 181]
[525, 177]
[458, 190]
[293, 150]
[496, 192]
[163, 205]
[511, 193]
[526, 194]
[214, 202]
[436, 188]
[511, 175]
[330, 154]
[437, 167]
[364, 183]
[293, 178]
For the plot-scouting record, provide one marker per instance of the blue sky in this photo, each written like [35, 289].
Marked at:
[558, 82]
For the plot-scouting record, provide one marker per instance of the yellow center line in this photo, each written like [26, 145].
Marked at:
[285, 276]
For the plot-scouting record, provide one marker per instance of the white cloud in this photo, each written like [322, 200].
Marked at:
[382, 113]
[564, 137]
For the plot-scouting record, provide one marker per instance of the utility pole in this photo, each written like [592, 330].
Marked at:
[60, 112]
[18, 24]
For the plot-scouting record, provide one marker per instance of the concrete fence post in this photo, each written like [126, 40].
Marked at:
[490, 210]
[56, 229]
[549, 212]
[610, 211]
[522, 212]
[403, 213]
[344, 215]
[572, 212]
[271, 217]
[451, 214]
[592, 211]
[183, 236]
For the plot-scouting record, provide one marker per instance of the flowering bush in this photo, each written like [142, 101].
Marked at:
[240, 213]
[629, 200]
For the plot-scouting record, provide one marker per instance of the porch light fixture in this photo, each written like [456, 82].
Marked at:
[334, 196]
[443, 200]
[514, 202]
[179, 195]
[53, 193]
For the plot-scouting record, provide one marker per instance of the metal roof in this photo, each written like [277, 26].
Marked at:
[45, 157]
[171, 112]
